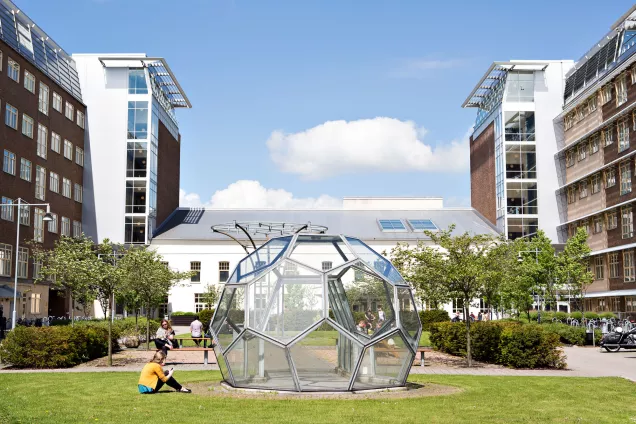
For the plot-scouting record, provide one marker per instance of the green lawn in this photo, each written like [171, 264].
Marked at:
[112, 398]
[425, 338]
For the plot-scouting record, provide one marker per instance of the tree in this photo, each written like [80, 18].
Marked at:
[500, 269]
[210, 295]
[573, 266]
[146, 278]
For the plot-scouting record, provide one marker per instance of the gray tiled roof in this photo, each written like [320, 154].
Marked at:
[195, 224]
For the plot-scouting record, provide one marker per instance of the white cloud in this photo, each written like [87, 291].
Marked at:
[251, 194]
[366, 145]
[415, 68]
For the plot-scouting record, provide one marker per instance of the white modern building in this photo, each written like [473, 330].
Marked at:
[132, 143]
[187, 242]
[512, 148]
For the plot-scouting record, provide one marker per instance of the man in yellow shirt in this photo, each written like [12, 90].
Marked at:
[152, 377]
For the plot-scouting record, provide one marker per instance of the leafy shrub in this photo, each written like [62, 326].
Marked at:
[205, 316]
[567, 333]
[561, 315]
[449, 337]
[591, 315]
[529, 346]
[607, 315]
[53, 347]
[183, 314]
[433, 316]
[576, 315]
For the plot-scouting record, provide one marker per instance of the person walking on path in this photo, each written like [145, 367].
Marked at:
[153, 377]
[196, 328]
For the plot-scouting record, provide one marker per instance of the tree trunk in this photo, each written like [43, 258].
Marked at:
[136, 320]
[110, 336]
[469, 356]
[70, 296]
[148, 328]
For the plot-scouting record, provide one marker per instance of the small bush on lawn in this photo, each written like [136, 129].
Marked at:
[449, 337]
[433, 316]
[561, 316]
[530, 346]
[53, 347]
[205, 316]
[183, 314]
[567, 333]
[607, 315]
[576, 315]
[591, 315]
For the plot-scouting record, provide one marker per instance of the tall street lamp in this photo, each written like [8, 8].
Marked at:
[47, 217]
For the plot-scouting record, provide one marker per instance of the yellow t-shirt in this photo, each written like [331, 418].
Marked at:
[150, 374]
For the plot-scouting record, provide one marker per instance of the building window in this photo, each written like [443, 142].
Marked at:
[23, 262]
[626, 177]
[612, 220]
[54, 182]
[6, 212]
[77, 229]
[29, 81]
[35, 300]
[25, 169]
[78, 193]
[593, 103]
[610, 177]
[8, 165]
[582, 189]
[81, 119]
[135, 229]
[596, 183]
[135, 196]
[66, 226]
[137, 81]
[38, 225]
[57, 102]
[13, 70]
[606, 94]
[571, 195]
[613, 265]
[392, 225]
[79, 156]
[623, 135]
[621, 90]
[43, 99]
[598, 224]
[40, 183]
[224, 271]
[519, 126]
[6, 251]
[68, 150]
[627, 222]
[138, 120]
[27, 125]
[608, 135]
[569, 120]
[569, 158]
[199, 302]
[56, 142]
[582, 151]
[585, 224]
[42, 144]
[53, 223]
[11, 116]
[196, 268]
[25, 215]
[594, 144]
[66, 187]
[628, 266]
[327, 265]
[69, 111]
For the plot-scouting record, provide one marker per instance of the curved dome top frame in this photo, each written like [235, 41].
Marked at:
[315, 312]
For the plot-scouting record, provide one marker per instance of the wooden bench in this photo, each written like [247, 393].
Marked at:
[421, 351]
[205, 349]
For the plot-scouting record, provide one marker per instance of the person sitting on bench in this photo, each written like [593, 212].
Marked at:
[153, 378]
[164, 337]
[196, 328]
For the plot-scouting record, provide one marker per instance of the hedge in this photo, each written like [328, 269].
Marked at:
[54, 347]
[205, 316]
[183, 314]
[433, 316]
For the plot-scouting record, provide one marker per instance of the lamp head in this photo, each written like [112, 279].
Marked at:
[47, 216]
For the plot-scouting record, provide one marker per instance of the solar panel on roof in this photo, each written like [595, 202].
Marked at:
[592, 66]
[602, 57]
[579, 78]
[569, 84]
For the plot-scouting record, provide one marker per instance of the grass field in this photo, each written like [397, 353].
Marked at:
[112, 398]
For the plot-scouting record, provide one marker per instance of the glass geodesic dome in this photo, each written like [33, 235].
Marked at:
[292, 317]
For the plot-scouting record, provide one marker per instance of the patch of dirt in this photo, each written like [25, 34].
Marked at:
[142, 356]
[443, 360]
[215, 389]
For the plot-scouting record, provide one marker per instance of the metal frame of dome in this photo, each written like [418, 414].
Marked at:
[403, 327]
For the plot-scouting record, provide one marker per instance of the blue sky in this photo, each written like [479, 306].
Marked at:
[266, 78]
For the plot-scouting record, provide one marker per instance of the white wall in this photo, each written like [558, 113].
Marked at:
[392, 203]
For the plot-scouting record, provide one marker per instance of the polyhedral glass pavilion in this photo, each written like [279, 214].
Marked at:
[292, 317]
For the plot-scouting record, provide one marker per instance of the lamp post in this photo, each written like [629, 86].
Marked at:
[47, 217]
[536, 257]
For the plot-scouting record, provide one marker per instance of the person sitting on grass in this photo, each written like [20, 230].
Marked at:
[153, 378]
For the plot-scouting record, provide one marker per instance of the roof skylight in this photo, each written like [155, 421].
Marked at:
[391, 225]
[422, 225]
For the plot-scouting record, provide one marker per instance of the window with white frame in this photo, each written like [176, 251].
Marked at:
[570, 158]
[625, 170]
[593, 102]
[66, 187]
[43, 99]
[224, 271]
[56, 142]
[614, 269]
[66, 227]
[195, 267]
[35, 300]
[29, 81]
[54, 182]
[42, 144]
[23, 262]
[571, 194]
[583, 189]
[632, 73]
[27, 125]
[627, 222]
[628, 266]
[79, 156]
[608, 135]
[69, 111]
[6, 251]
[199, 302]
[327, 265]
[68, 150]
[598, 224]
[569, 120]
[25, 214]
[610, 177]
[6, 212]
[623, 135]
[11, 116]
[13, 70]
[612, 220]
[25, 169]
[57, 102]
[596, 183]
[81, 122]
[606, 93]
[40, 183]
[53, 223]
[77, 195]
[8, 164]
[77, 228]
[594, 144]
[582, 151]
[585, 224]
[621, 89]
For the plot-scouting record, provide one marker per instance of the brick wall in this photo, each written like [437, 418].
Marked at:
[482, 174]
[168, 168]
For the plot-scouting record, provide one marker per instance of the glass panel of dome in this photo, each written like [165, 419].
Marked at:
[261, 257]
[229, 318]
[384, 364]
[220, 359]
[325, 359]
[409, 317]
[321, 252]
[259, 364]
[375, 261]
